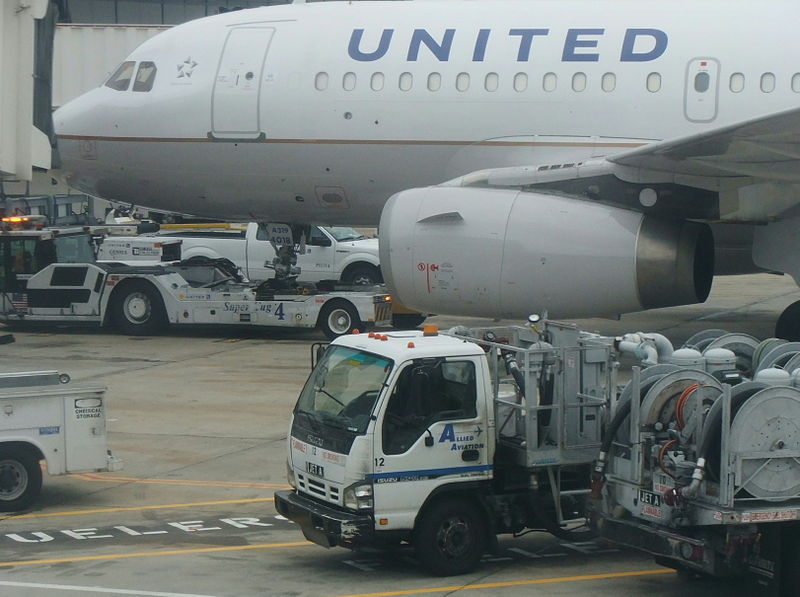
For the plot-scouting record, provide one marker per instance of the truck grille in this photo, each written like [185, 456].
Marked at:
[318, 488]
[383, 313]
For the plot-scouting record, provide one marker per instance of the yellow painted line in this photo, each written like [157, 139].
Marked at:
[517, 583]
[137, 508]
[150, 554]
[103, 478]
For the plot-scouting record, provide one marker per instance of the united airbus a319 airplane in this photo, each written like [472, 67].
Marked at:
[572, 155]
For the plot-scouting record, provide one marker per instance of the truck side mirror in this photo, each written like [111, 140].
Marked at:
[317, 352]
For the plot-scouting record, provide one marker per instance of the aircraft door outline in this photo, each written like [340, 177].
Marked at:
[701, 90]
[236, 96]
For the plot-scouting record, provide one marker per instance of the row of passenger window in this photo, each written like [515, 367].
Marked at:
[145, 76]
[521, 82]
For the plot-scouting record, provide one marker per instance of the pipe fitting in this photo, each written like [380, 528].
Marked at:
[598, 478]
[676, 495]
[643, 350]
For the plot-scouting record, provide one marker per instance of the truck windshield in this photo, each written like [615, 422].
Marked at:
[344, 233]
[74, 249]
[342, 389]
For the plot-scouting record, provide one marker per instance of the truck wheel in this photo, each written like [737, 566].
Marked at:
[362, 275]
[407, 321]
[20, 479]
[138, 309]
[338, 318]
[450, 538]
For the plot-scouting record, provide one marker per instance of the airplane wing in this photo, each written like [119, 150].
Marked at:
[767, 148]
[745, 172]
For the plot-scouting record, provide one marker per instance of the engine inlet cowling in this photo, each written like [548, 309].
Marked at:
[507, 253]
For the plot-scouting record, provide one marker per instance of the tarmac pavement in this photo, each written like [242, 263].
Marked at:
[200, 419]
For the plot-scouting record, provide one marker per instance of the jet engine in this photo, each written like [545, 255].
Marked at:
[505, 253]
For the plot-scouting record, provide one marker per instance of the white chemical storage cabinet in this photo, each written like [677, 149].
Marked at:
[44, 418]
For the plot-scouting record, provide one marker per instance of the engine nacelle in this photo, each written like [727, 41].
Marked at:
[506, 254]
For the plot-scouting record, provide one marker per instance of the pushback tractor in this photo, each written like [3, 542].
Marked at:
[444, 441]
[54, 276]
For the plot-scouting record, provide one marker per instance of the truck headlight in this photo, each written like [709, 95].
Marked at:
[358, 496]
[290, 475]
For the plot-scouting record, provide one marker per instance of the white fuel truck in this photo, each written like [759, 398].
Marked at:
[444, 441]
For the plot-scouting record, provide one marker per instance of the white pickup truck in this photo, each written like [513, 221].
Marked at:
[335, 253]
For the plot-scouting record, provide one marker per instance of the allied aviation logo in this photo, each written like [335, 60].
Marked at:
[186, 68]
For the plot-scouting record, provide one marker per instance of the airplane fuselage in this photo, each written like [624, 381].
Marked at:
[319, 112]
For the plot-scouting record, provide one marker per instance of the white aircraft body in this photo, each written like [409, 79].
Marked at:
[559, 154]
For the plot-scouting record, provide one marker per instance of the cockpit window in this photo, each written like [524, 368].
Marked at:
[145, 77]
[121, 79]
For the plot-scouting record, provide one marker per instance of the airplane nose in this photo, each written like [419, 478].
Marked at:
[75, 125]
[73, 117]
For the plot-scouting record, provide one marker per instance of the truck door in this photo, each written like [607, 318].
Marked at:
[24, 259]
[235, 100]
[432, 432]
[20, 258]
[317, 262]
[84, 430]
[702, 89]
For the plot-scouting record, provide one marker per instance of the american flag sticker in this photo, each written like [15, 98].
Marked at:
[19, 300]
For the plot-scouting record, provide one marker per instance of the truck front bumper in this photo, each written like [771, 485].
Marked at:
[325, 525]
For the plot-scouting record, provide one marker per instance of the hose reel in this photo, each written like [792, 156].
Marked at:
[684, 408]
[766, 429]
[662, 399]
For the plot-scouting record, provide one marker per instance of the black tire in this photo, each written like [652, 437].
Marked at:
[407, 321]
[788, 326]
[362, 275]
[450, 537]
[138, 310]
[338, 318]
[20, 479]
